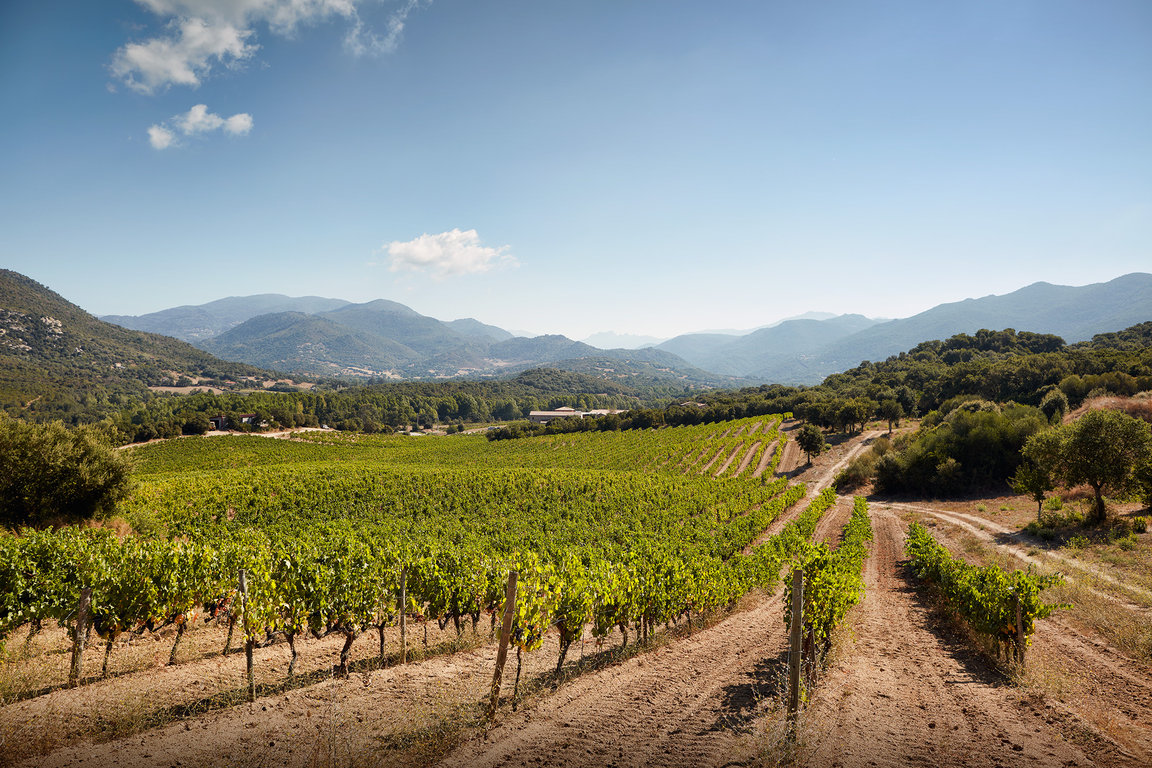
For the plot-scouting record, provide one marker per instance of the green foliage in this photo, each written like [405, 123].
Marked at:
[1054, 405]
[972, 446]
[53, 474]
[323, 544]
[984, 596]
[810, 438]
[1034, 481]
[1103, 448]
[833, 578]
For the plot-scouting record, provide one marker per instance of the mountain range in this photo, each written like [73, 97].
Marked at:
[329, 337]
[316, 337]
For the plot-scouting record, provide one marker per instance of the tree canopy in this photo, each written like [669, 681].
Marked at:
[53, 474]
[1103, 449]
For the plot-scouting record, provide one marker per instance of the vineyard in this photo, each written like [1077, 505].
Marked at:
[328, 559]
[325, 533]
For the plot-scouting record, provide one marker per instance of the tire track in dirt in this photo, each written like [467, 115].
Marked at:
[903, 695]
[980, 527]
[680, 705]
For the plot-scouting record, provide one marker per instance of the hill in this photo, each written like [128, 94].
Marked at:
[768, 353]
[1075, 313]
[804, 351]
[194, 323]
[58, 361]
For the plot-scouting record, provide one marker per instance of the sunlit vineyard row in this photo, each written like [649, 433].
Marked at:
[325, 533]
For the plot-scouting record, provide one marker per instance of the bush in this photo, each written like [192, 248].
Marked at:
[54, 475]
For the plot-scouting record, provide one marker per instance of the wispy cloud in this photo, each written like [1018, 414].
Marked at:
[201, 35]
[361, 41]
[194, 122]
[447, 254]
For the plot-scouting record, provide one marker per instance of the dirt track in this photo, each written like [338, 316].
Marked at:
[902, 692]
[685, 704]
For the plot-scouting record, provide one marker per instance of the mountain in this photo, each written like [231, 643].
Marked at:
[1075, 313]
[613, 340]
[470, 327]
[766, 352]
[56, 359]
[193, 323]
[311, 344]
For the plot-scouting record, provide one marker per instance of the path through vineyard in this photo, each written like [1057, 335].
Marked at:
[902, 691]
[1099, 694]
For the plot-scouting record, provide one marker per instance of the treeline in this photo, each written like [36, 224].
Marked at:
[1000, 366]
[376, 407]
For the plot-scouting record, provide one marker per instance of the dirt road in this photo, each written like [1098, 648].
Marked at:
[903, 693]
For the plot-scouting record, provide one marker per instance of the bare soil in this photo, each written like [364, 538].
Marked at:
[904, 691]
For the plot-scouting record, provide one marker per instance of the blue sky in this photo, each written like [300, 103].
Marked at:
[644, 167]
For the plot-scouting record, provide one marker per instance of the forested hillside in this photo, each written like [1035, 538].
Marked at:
[58, 361]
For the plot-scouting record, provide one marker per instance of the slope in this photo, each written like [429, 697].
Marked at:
[56, 360]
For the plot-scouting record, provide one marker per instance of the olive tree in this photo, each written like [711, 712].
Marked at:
[1102, 449]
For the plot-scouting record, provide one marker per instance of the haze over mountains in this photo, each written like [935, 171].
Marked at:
[324, 337]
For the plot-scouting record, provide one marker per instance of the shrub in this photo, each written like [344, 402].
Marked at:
[52, 474]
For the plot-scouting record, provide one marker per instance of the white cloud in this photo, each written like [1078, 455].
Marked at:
[361, 41]
[204, 34]
[239, 124]
[182, 58]
[446, 254]
[198, 120]
[160, 137]
[195, 121]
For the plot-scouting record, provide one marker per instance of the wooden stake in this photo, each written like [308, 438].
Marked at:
[1019, 629]
[794, 644]
[403, 615]
[79, 633]
[505, 636]
[249, 642]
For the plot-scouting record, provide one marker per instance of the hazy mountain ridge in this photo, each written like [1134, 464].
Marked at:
[1075, 313]
[388, 338]
[194, 323]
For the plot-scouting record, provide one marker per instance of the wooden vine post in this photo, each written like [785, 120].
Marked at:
[403, 616]
[795, 642]
[505, 637]
[249, 642]
[79, 631]
[1021, 641]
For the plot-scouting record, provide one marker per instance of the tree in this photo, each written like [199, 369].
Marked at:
[1054, 405]
[855, 411]
[1033, 480]
[1102, 449]
[811, 440]
[53, 474]
[891, 411]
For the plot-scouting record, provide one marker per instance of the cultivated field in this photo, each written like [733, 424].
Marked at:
[650, 630]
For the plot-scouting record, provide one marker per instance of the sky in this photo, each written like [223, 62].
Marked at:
[573, 167]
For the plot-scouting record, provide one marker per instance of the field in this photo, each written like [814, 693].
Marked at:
[650, 627]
